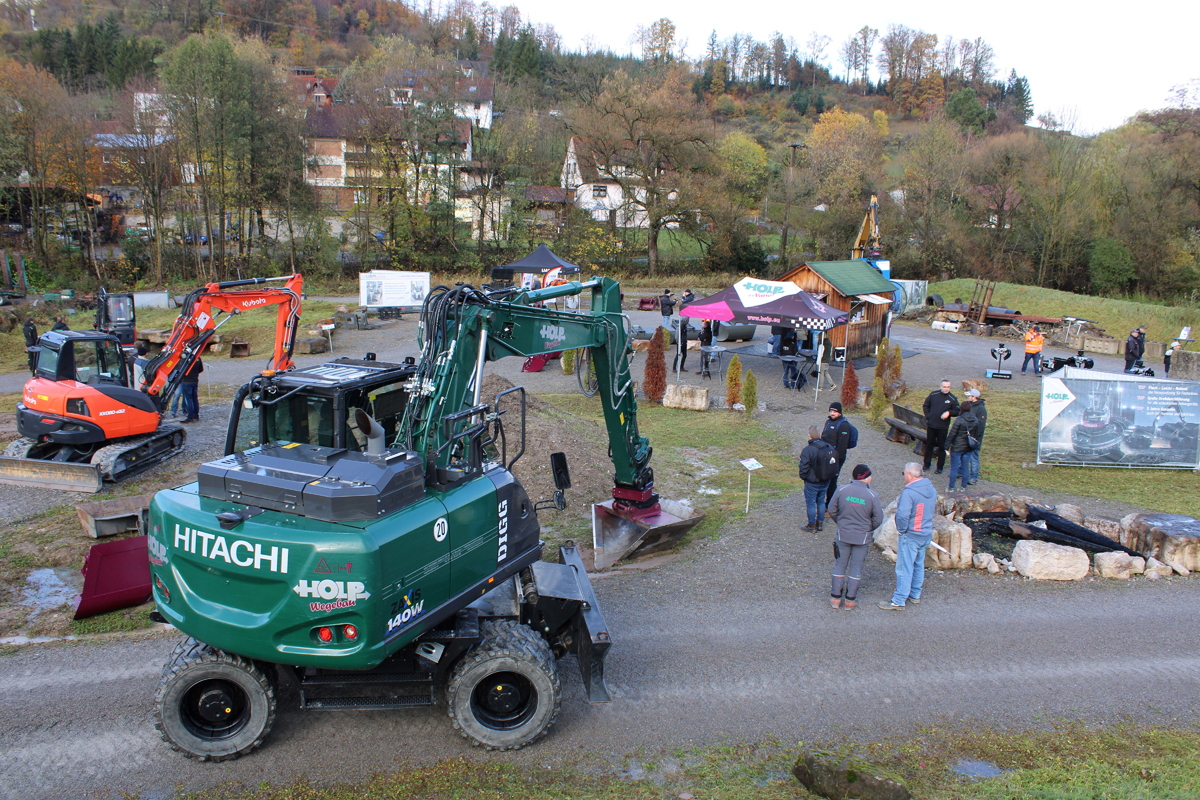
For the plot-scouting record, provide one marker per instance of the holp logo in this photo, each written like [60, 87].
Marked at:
[1055, 397]
[756, 292]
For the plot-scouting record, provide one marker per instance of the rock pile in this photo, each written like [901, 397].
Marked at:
[1170, 542]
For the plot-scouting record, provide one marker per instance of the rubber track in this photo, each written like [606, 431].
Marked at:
[106, 457]
[190, 651]
[508, 637]
[20, 448]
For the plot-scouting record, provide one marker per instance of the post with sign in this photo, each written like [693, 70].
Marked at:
[750, 464]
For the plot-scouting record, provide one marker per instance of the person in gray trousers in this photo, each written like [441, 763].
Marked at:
[857, 511]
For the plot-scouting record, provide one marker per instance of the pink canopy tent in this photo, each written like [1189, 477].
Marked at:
[762, 302]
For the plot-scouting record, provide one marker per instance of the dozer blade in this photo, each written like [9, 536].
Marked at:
[617, 536]
[50, 474]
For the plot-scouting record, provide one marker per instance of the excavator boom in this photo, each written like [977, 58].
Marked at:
[463, 328]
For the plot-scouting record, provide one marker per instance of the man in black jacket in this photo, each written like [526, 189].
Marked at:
[1135, 347]
[666, 304]
[837, 433]
[31, 340]
[939, 407]
[814, 469]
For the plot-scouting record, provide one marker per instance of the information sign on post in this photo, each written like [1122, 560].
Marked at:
[750, 464]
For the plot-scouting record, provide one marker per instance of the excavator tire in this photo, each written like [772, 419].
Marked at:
[505, 693]
[211, 705]
[125, 458]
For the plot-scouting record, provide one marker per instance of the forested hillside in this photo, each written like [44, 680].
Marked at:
[734, 156]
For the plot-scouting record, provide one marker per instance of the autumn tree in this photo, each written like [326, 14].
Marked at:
[41, 133]
[650, 137]
[844, 152]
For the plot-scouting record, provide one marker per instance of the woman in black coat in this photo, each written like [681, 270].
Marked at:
[958, 444]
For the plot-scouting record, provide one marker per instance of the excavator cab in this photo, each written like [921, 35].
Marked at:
[115, 315]
[81, 356]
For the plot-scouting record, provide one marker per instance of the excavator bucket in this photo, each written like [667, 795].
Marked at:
[617, 535]
[50, 474]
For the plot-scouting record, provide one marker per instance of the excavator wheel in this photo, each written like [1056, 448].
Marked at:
[505, 693]
[211, 705]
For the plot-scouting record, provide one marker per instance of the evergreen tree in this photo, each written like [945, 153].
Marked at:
[1018, 98]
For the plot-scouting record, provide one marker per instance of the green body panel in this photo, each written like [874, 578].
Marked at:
[263, 589]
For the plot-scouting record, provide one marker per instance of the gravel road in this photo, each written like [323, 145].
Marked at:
[732, 639]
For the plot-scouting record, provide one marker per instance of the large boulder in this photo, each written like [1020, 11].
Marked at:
[1105, 527]
[838, 776]
[886, 536]
[956, 504]
[1156, 567]
[1050, 562]
[1118, 565]
[975, 383]
[1069, 512]
[1167, 537]
[689, 398]
[953, 536]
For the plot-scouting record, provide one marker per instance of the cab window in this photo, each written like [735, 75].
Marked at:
[302, 419]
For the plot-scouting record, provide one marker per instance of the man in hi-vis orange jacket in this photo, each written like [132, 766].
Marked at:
[1033, 350]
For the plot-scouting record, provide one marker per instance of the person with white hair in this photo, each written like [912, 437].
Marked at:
[914, 521]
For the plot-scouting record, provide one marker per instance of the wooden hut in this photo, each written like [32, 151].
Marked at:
[854, 286]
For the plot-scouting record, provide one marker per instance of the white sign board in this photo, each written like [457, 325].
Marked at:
[391, 289]
[751, 464]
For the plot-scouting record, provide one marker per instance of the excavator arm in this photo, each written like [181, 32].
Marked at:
[463, 328]
[198, 321]
[867, 241]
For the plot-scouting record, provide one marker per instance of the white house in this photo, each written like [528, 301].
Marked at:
[596, 190]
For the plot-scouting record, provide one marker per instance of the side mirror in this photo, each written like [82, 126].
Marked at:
[562, 474]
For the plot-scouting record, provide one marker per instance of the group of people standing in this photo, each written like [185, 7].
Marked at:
[956, 430]
[666, 306]
[856, 508]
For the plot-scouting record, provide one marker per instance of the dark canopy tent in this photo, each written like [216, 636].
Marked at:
[540, 260]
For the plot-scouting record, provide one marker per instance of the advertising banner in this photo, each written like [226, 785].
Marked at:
[1107, 419]
[909, 295]
[389, 289]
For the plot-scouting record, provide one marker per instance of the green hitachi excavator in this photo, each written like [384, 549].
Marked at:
[366, 540]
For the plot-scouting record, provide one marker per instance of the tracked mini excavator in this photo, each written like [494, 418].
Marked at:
[366, 543]
[81, 423]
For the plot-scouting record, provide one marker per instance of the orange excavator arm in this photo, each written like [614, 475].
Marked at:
[197, 322]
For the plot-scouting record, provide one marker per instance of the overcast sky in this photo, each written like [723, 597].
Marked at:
[1097, 64]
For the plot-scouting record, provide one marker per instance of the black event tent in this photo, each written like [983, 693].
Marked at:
[542, 261]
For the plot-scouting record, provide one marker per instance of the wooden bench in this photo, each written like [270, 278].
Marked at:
[906, 426]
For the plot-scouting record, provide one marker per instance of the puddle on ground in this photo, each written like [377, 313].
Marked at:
[50, 588]
[976, 769]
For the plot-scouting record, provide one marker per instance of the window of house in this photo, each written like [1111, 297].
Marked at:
[599, 190]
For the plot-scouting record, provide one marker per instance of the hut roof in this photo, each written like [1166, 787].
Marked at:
[850, 278]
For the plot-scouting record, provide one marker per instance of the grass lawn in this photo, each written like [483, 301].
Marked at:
[1011, 440]
[1065, 763]
[706, 457]
[1117, 317]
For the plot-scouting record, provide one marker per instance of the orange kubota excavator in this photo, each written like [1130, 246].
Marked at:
[80, 421]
